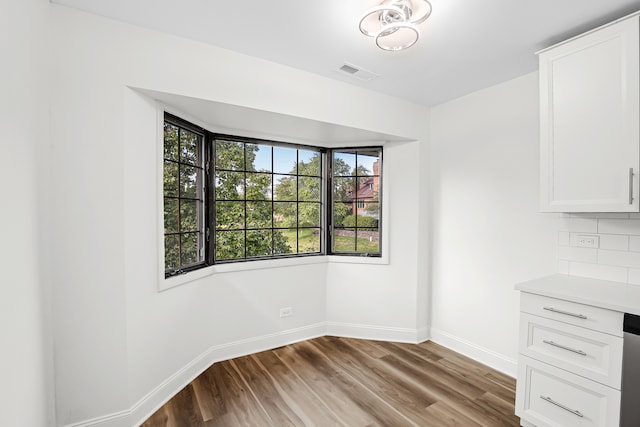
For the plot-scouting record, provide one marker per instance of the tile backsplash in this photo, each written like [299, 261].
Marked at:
[616, 256]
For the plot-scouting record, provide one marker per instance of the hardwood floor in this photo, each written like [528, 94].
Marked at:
[333, 381]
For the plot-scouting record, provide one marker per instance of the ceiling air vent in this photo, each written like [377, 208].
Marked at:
[357, 72]
[349, 69]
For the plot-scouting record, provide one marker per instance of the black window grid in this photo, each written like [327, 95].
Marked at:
[356, 201]
[181, 264]
[325, 226]
[273, 200]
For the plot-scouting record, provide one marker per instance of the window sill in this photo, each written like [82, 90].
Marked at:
[354, 259]
[172, 282]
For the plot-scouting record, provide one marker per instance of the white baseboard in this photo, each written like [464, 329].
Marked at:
[377, 333]
[150, 403]
[495, 360]
[117, 419]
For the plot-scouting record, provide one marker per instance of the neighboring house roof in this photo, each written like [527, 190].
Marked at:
[366, 190]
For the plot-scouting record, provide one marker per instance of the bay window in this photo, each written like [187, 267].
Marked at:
[232, 199]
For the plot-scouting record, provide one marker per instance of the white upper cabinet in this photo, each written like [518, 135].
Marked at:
[590, 120]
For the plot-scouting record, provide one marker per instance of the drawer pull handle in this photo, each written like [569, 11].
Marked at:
[630, 186]
[555, 310]
[580, 352]
[560, 405]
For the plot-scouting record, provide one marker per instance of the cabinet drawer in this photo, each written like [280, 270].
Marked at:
[585, 352]
[551, 397]
[586, 316]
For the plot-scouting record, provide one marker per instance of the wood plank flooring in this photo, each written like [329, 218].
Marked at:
[331, 381]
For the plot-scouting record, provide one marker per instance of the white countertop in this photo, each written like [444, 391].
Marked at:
[615, 296]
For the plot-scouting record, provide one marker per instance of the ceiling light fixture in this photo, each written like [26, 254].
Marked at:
[394, 23]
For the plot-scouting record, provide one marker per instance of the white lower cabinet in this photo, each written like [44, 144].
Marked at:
[592, 354]
[551, 397]
[569, 367]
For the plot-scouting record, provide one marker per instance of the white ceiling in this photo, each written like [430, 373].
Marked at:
[466, 45]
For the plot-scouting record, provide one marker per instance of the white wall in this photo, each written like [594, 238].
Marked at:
[208, 318]
[121, 345]
[26, 396]
[381, 301]
[488, 234]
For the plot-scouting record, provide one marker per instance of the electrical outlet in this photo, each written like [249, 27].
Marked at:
[286, 312]
[587, 241]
